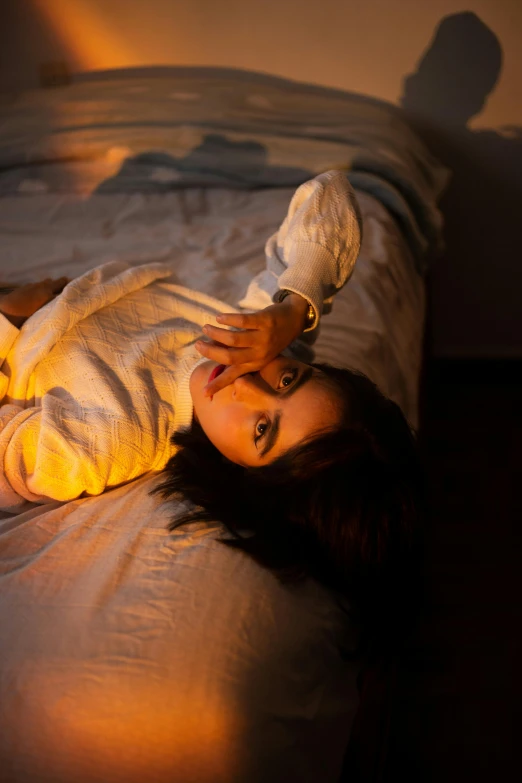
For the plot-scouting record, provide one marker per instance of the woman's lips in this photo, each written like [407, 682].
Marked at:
[215, 372]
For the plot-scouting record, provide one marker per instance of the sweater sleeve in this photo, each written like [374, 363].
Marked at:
[47, 453]
[61, 449]
[8, 334]
[314, 251]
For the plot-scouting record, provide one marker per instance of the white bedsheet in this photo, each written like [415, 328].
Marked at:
[131, 654]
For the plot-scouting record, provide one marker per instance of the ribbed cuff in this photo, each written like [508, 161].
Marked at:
[307, 274]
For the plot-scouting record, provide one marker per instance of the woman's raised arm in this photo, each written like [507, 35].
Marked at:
[312, 255]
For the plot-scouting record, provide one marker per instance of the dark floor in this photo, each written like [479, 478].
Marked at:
[452, 715]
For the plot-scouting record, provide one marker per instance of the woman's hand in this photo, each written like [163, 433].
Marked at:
[262, 337]
[22, 302]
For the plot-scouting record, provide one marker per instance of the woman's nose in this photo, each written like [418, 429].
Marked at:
[247, 390]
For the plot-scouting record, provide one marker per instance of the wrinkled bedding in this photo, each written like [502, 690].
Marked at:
[128, 653]
[212, 127]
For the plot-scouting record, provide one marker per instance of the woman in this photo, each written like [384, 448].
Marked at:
[344, 504]
[112, 379]
[96, 382]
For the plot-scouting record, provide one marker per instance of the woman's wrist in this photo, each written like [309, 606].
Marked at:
[304, 311]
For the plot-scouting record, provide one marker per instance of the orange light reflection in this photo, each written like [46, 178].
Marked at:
[133, 730]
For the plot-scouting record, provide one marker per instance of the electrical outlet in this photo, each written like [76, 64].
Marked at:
[54, 73]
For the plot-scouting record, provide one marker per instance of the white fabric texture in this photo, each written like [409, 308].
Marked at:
[97, 373]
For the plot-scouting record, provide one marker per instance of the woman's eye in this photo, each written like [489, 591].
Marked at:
[261, 428]
[287, 378]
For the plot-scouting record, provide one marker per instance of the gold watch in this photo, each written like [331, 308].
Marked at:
[310, 313]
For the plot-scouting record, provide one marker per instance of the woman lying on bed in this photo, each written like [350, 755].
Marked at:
[112, 379]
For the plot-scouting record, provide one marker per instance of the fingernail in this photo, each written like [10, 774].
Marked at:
[205, 329]
[219, 317]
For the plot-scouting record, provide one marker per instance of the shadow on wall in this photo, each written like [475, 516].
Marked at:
[476, 287]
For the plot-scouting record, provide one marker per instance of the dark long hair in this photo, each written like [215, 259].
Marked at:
[344, 507]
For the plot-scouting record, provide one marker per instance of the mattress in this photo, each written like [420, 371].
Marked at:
[128, 653]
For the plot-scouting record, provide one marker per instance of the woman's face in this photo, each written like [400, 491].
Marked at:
[263, 414]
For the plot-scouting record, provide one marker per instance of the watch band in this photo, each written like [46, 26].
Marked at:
[310, 313]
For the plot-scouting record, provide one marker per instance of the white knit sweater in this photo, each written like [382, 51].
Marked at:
[96, 382]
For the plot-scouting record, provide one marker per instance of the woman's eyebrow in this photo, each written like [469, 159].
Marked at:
[273, 433]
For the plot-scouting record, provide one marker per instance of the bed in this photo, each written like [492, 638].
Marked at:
[128, 653]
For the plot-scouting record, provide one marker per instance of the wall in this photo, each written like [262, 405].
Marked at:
[366, 46]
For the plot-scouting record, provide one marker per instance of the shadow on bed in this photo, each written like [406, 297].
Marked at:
[217, 160]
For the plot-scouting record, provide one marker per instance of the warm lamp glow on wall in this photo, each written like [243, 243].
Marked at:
[86, 34]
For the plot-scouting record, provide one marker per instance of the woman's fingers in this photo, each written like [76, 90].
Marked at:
[49, 286]
[226, 337]
[224, 379]
[241, 320]
[54, 285]
[23, 301]
[48, 289]
[222, 353]
[59, 284]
